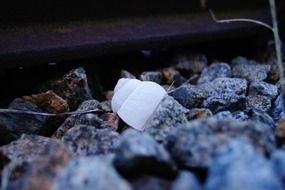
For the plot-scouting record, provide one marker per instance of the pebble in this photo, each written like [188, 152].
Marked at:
[191, 62]
[139, 153]
[172, 76]
[186, 181]
[193, 144]
[278, 110]
[72, 87]
[261, 117]
[154, 76]
[215, 70]
[189, 96]
[258, 102]
[84, 140]
[198, 113]
[263, 88]
[237, 165]
[249, 69]
[86, 173]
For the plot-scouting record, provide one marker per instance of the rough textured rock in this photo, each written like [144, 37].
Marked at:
[215, 70]
[189, 96]
[29, 147]
[186, 181]
[23, 123]
[40, 172]
[192, 145]
[150, 183]
[223, 86]
[172, 76]
[139, 153]
[169, 114]
[278, 164]
[224, 102]
[263, 89]
[154, 76]
[83, 140]
[49, 102]
[84, 119]
[258, 102]
[72, 87]
[192, 62]
[198, 113]
[279, 108]
[90, 173]
[127, 74]
[238, 115]
[239, 166]
[249, 69]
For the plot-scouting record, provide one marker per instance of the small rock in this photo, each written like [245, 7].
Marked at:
[279, 108]
[224, 102]
[171, 75]
[168, 115]
[83, 140]
[150, 183]
[189, 96]
[261, 117]
[72, 87]
[23, 123]
[193, 144]
[154, 76]
[139, 153]
[49, 102]
[192, 62]
[263, 89]
[198, 113]
[186, 181]
[215, 70]
[249, 69]
[278, 164]
[258, 102]
[224, 115]
[110, 120]
[274, 73]
[238, 165]
[88, 173]
[127, 74]
[84, 119]
[240, 115]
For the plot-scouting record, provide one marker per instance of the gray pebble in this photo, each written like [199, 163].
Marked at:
[215, 70]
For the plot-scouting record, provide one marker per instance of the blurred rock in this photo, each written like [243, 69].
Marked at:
[72, 87]
[138, 153]
[193, 144]
[274, 74]
[150, 183]
[278, 164]
[261, 117]
[168, 115]
[83, 140]
[84, 119]
[240, 115]
[189, 96]
[238, 165]
[18, 124]
[171, 75]
[278, 110]
[258, 102]
[280, 130]
[48, 102]
[110, 120]
[127, 74]
[249, 69]
[263, 89]
[198, 113]
[192, 62]
[186, 181]
[108, 95]
[154, 76]
[88, 173]
[215, 70]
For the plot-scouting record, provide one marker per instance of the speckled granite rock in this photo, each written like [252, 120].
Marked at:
[186, 181]
[189, 96]
[263, 89]
[84, 119]
[168, 115]
[238, 165]
[23, 123]
[258, 102]
[278, 110]
[192, 62]
[249, 69]
[139, 153]
[215, 70]
[238, 115]
[90, 173]
[154, 76]
[192, 145]
[150, 183]
[72, 87]
[83, 140]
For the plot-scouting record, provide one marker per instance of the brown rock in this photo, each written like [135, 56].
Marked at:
[171, 75]
[108, 94]
[110, 120]
[198, 113]
[280, 130]
[48, 101]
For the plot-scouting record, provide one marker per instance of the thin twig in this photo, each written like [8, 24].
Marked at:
[240, 20]
[3, 110]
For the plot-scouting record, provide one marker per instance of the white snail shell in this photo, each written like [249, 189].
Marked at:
[135, 101]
